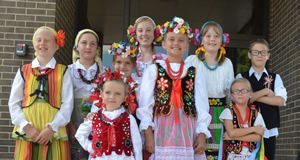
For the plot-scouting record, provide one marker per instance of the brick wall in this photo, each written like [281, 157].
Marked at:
[18, 21]
[284, 38]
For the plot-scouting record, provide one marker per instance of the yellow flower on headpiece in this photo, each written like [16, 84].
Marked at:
[116, 45]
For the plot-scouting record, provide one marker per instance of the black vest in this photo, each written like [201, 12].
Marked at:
[163, 89]
[270, 113]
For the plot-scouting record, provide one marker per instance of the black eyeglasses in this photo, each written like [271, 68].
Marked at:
[240, 91]
[256, 52]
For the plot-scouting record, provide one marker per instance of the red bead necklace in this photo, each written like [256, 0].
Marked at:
[173, 74]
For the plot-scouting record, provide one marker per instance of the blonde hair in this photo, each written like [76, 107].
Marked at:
[241, 80]
[219, 30]
[75, 53]
[142, 19]
[40, 29]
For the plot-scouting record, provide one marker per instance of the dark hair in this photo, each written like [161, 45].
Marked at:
[258, 41]
[132, 59]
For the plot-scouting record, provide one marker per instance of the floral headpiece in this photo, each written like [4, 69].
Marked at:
[177, 25]
[131, 34]
[124, 49]
[108, 75]
[198, 35]
[60, 38]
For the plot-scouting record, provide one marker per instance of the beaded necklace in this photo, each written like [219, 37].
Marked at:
[84, 79]
[173, 74]
[208, 67]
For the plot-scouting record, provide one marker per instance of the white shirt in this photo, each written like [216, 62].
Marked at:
[279, 90]
[63, 115]
[218, 81]
[85, 129]
[82, 89]
[146, 98]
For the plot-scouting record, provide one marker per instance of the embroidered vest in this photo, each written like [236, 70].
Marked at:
[163, 89]
[111, 135]
[235, 145]
[52, 86]
[269, 113]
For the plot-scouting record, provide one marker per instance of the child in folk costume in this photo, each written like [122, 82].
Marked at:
[244, 125]
[144, 34]
[269, 92]
[124, 60]
[114, 131]
[211, 62]
[41, 103]
[173, 106]
[84, 70]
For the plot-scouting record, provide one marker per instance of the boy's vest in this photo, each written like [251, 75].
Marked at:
[163, 89]
[111, 135]
[52, 83]
[268, 112]
[235, 145]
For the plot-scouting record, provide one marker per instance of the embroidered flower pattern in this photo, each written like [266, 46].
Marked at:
[215, 102]
[268, 81]
[162, 83]
[190, 85]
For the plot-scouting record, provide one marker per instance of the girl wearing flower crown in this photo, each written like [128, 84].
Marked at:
[244, 125]
[84, 70]
[41, 103]
[144, 33]
[173, 106]
[218, 73]
[124, 58]
[115, 133]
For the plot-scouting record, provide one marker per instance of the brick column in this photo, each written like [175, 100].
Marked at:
[285, 59]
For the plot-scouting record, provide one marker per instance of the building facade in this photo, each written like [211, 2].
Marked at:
[276, 20]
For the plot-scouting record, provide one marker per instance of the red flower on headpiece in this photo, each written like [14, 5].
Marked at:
[60, 38]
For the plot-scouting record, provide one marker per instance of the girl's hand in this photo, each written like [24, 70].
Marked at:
[200, 144]
[45, 135]
[31, 132]
[149, 140]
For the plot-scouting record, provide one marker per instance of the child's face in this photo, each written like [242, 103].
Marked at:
[259, 55]
[87, 46]
[212, 40]
[123, 64]
[240, 93]
[113, 95]
[145, 33]
[45, 44]
[176, 44]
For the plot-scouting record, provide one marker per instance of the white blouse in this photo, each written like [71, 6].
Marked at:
[82, 89]
[218, 81]
[63, 115]
[146, 98]
[85, 129]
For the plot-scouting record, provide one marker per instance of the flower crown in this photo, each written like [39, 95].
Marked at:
[108, 75]
[123, 49]
[131, 34]
[177, 25]
[60, 38]
[198, 38]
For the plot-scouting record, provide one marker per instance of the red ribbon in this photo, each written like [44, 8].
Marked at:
[176, 98]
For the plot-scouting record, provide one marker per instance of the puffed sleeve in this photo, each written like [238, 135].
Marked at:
[202, 106]
[136, 139]
[279, 88]
[146, 97]
[82, 135]
[15, 101]
[62, 117]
